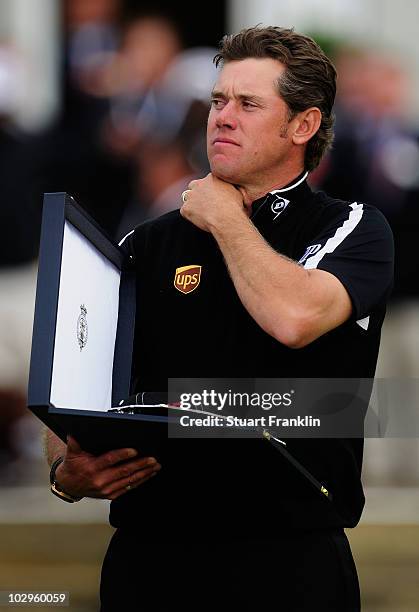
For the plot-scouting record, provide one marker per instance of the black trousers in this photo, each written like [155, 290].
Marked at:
[296, 571]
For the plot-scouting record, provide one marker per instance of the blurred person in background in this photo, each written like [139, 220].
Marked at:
[20, 212]
[73, 153]
[92, 40]
[165, 168]
[75, 156]
[375, 158]
[374, 143]
[172, 136]
[149, 46]
[91, 151]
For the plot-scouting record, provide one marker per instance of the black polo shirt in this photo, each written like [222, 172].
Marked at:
[208, 333]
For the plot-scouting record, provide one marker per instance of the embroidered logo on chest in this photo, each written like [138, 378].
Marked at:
[187, 278]
[278, 206]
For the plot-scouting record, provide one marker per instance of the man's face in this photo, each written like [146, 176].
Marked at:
[247, 139]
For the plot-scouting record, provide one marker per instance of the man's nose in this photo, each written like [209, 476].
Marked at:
[226, 117]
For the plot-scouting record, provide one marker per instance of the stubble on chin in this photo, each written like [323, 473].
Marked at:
[226, 178]
[224, 174]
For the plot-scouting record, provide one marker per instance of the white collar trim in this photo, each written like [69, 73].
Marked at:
[302, 179]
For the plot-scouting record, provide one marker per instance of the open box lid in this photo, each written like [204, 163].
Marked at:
[83, 328]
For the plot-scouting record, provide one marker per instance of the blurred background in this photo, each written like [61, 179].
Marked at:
[107, 100]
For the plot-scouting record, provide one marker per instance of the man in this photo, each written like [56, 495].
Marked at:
[292, 284]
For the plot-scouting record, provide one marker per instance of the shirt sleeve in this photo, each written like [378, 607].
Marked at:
[357, 247]
[134, 243]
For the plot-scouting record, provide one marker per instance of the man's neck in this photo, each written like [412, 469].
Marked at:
[251, 193]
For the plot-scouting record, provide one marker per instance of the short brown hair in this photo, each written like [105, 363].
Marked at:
[309, 78]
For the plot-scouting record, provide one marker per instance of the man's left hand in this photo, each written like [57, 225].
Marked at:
[211, 202]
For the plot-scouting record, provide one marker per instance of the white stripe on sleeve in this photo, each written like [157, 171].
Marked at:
[339, 236]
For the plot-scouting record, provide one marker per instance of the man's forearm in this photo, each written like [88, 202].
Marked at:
[290, 303]
[272, 288]
[54, 447]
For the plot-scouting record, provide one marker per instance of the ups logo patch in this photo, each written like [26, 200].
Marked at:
[187, 278]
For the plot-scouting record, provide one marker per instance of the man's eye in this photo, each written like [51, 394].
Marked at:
[248, 105]
[216, 102]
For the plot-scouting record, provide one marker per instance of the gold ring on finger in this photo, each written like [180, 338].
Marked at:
[185, 195]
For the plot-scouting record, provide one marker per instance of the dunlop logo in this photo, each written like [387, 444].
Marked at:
[187, 278]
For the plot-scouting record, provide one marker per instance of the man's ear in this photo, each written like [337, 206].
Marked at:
[308, 122]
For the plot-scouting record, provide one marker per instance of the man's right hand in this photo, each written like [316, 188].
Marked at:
[107, 476]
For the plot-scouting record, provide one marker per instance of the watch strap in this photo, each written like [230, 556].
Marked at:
[63, 495]
[55, 488]
[53, 469]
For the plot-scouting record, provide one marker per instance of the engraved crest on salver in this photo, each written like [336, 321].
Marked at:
[82, 328]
